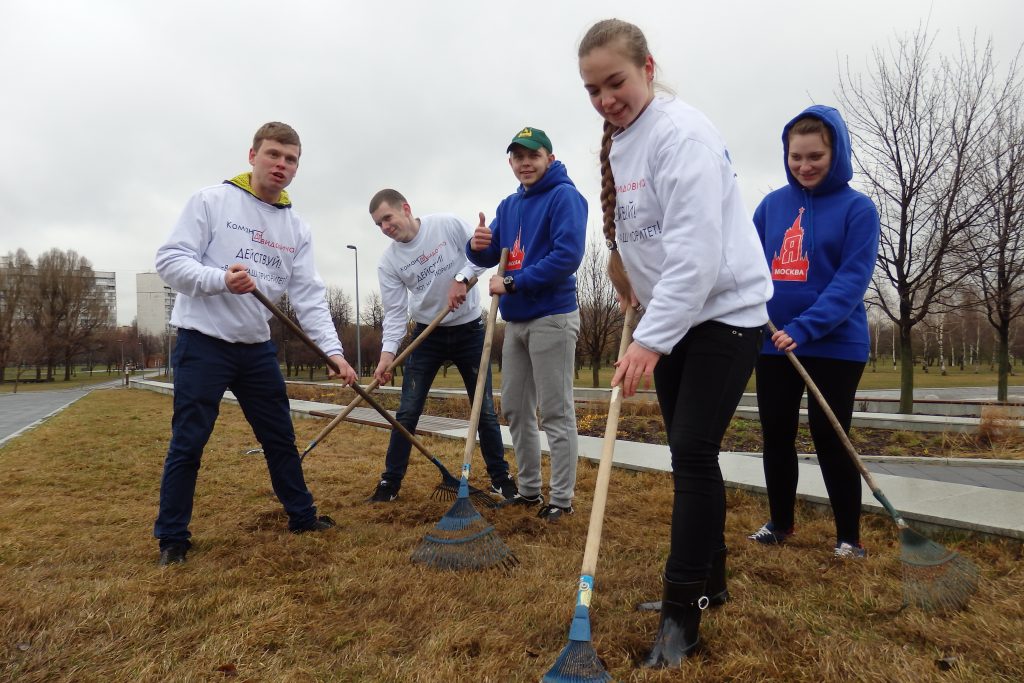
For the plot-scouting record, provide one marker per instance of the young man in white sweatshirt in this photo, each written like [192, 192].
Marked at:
[423, 270]
[230, 239]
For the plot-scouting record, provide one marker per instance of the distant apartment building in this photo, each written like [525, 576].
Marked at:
[106, 291]
[155, 302]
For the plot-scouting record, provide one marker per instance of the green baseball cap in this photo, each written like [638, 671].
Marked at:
[531, 138]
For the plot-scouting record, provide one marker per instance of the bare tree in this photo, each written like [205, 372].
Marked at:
[997, 246]
[600, 318]
[15, 283]
[918, 122]
[340, 306]
[25, 350]
[70, 307]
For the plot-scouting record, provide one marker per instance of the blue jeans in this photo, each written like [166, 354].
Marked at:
[204, 367]
[462, 345]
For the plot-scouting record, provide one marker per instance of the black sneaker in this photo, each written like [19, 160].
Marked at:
[173, 553]
[553, 513]
[321, 523]
[385, 492]
[524, 501]
[506, 488]
[769, 535]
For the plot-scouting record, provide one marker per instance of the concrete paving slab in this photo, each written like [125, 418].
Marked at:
[947, 505]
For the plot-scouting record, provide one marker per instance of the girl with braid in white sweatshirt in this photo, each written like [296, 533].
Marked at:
[684, 248]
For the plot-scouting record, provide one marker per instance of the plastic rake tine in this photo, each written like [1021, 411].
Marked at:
[462, 538]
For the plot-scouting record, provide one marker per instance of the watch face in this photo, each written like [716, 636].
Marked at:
[460, 278]
[509, 279]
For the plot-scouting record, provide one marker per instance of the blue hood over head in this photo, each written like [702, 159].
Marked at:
[841, 171]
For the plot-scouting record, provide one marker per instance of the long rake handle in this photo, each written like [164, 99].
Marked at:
[481, 375]
[841, 433]
[604, 468]
[394, 364]
[290, 324]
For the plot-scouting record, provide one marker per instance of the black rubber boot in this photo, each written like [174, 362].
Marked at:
[718, 592]
[678, 634]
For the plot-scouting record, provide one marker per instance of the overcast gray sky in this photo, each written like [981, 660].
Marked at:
[114, 112]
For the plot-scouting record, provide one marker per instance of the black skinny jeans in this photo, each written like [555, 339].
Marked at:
[699, 386]
[779, 391]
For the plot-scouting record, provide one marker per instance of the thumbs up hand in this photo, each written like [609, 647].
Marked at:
[481, 236]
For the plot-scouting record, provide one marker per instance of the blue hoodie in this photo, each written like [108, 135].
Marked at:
[545, 230]
[821, 246]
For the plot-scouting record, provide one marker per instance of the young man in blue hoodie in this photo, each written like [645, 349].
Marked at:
[820, 238]
[544, 226]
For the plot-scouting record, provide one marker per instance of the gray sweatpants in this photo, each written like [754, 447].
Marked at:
[537, 371]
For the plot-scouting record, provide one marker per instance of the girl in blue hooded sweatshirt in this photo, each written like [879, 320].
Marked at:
[820, 238]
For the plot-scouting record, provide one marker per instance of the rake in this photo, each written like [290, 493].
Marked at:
[935, 578]
[449, 484]
[578, 662]
[463, 539]
[374, 384]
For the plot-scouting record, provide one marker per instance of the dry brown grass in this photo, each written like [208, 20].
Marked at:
[82, 600]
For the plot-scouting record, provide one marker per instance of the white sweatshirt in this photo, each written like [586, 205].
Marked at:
[222, 225]
[425, 267]
[688, 243]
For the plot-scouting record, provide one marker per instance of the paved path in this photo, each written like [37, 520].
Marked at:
[1002, 475]
[21, 411]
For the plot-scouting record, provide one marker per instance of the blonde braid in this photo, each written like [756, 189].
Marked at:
[616, 268]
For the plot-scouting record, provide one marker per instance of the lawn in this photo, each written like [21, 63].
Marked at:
[83, 600]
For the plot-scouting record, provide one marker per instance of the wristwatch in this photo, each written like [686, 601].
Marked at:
[459, 277]
[510, 283]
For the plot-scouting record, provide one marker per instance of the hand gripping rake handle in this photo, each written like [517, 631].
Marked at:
[481, 377]
[374, 384]
[290, 324]
[841, 433]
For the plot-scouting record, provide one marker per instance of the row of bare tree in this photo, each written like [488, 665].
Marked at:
[939, 146]
[51, 311]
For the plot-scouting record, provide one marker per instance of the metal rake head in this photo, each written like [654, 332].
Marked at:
[935, 578]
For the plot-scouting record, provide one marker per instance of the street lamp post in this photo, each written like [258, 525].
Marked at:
[359, 348]
[123, 371]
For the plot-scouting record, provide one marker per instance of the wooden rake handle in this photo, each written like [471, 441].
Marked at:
[290, 324]
[604, 468]
[481, 375]
[394, 364]
[840, 432]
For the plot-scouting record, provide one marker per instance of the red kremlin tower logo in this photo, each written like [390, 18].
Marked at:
[790, 263]
[516, 254]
